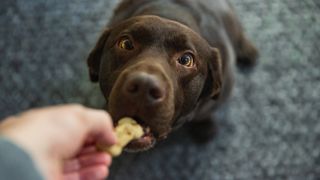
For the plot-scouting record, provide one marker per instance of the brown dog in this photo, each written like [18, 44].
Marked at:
[166, 62]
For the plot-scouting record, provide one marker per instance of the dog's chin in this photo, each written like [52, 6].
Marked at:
[143, 143]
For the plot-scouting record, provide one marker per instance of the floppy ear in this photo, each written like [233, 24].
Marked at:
[94, 57]
[213, 82]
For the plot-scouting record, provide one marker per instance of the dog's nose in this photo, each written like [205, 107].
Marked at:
[142, 86]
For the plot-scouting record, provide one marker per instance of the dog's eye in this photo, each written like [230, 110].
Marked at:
[126, 44]
[186, 60]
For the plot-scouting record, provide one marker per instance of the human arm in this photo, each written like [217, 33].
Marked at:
[60, 140]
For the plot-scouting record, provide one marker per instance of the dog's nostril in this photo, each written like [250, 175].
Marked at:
[155, 93]
[143, 87]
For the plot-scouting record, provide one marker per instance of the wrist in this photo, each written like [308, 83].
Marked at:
[28, 144]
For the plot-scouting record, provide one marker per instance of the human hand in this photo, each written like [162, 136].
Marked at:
[61, 140]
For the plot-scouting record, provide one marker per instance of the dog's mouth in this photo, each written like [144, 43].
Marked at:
[143, 143]
[146, 142]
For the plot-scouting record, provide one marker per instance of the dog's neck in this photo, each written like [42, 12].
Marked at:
[170, 11]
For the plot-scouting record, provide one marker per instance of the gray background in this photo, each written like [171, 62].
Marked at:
[271, 130]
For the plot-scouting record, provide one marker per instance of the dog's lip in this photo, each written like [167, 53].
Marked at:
[143, 143]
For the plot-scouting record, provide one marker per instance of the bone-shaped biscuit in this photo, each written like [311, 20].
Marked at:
[126, 131]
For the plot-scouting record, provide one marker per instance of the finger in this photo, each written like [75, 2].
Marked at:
[97, 124]
[86, 161]
[97, 158]
[97, 172]
[87, 150]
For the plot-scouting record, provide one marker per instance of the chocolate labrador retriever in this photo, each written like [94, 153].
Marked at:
[167, 62]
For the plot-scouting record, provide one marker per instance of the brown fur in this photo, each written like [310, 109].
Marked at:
[161, 32]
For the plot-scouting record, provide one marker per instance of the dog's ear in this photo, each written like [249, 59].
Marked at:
[94, 58]
[213, 82]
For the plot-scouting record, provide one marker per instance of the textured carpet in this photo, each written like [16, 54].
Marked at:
[270, 131]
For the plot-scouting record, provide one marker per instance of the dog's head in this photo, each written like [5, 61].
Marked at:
[156, 71]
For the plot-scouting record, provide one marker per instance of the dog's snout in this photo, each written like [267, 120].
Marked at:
[142, 86]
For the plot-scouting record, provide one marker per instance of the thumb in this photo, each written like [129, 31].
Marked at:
[99, 125]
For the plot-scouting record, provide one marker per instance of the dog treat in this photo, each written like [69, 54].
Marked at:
[126, 131]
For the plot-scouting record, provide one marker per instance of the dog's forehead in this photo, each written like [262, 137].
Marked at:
[154, 29]
[162, 26]
[157, 23]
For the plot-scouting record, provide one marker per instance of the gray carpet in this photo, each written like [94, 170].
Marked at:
[272, 128]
